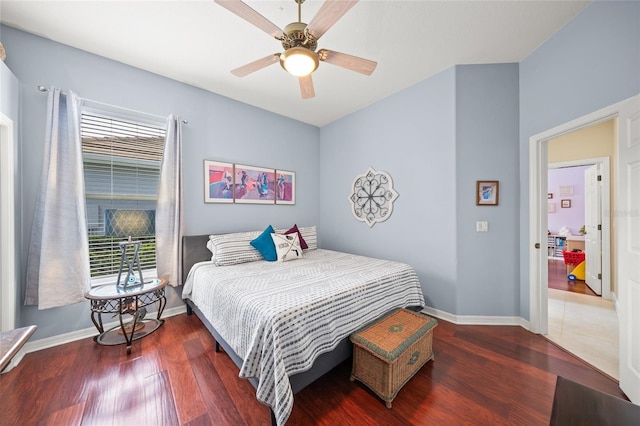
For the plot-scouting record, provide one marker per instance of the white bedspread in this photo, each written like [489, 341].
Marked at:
[279, 317]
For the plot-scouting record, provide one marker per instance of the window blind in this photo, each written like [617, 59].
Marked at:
[122, 171]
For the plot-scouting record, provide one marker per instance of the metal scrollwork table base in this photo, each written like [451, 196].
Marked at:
[132, 301]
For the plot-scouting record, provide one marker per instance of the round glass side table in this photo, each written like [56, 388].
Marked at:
[129, 304]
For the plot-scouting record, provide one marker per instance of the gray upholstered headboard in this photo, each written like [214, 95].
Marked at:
[194, 250]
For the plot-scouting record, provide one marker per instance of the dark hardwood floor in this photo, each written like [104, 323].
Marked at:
[482, 375]
[558, 279]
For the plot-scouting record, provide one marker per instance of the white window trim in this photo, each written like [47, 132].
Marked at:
[110, 111]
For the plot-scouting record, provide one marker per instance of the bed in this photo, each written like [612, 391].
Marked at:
[285, 324]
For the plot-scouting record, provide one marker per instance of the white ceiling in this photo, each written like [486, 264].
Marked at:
[198, 42]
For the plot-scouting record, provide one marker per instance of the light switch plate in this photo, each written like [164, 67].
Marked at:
[482, 226]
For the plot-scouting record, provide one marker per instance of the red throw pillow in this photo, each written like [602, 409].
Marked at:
[303, 243]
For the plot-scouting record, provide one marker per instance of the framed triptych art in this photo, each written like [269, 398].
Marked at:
[244, 184]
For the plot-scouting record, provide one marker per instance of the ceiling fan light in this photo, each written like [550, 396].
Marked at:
[299, 61]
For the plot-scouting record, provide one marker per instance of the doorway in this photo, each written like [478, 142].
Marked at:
[572, 209]
[578, 193]
[572, 135]
[627, 279]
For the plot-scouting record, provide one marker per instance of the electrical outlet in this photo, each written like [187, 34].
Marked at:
[482, 226]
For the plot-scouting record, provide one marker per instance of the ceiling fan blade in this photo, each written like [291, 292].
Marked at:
[329, 13]
[256, 65]
[350, 62]
[250, 15]
[306, 87]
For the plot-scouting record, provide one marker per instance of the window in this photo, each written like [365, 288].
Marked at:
[121, 160]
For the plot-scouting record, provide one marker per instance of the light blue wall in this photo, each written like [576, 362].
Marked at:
[487, 149]
[218, 129]
[435, 139]
[10, 107]
[591, 63]
[411, 136]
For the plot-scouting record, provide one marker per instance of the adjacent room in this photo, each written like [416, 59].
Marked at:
[209, 216]
[581, 179]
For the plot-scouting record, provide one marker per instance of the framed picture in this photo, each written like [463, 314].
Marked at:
[549, 196]
[218, 182]
[565, 204]
[285, 187]
[487, 192]
[551, 208]
[254, 185]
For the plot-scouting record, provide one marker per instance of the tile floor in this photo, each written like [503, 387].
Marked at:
[586, 326]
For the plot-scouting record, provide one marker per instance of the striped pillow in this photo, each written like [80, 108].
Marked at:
[310, 236]
[234, 248]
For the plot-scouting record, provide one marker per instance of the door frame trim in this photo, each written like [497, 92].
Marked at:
[7, 223]
[605, 212]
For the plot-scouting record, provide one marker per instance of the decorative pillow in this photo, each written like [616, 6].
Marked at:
[295, 229]
[287, 246]
[264, 244]
[310, 236]
[233, 248]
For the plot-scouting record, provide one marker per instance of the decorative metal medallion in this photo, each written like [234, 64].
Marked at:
[373, 196]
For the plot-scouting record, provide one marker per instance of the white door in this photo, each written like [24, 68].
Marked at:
[592, 226]
[628, 235]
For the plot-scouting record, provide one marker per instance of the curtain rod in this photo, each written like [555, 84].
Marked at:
[184, 121]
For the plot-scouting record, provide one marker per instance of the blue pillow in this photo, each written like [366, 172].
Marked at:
[264, 244]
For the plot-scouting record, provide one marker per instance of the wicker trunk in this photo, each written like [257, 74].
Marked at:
[388, 352]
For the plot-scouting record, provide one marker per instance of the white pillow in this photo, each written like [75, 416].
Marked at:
[287, 246]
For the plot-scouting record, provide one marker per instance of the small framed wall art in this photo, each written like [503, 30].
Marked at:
[285, 187]
[487, 192]
[218, 182]
[254, 185]
[565, 204]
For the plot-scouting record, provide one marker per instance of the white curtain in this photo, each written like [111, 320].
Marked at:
[58, 263]
[169, 215]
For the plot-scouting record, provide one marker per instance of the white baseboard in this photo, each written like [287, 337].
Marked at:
[476, 319]
[61, 339]
[49, 342]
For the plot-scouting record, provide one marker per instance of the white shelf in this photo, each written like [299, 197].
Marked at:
[555, 245]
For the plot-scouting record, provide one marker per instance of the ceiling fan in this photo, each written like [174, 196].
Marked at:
[300, 42]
